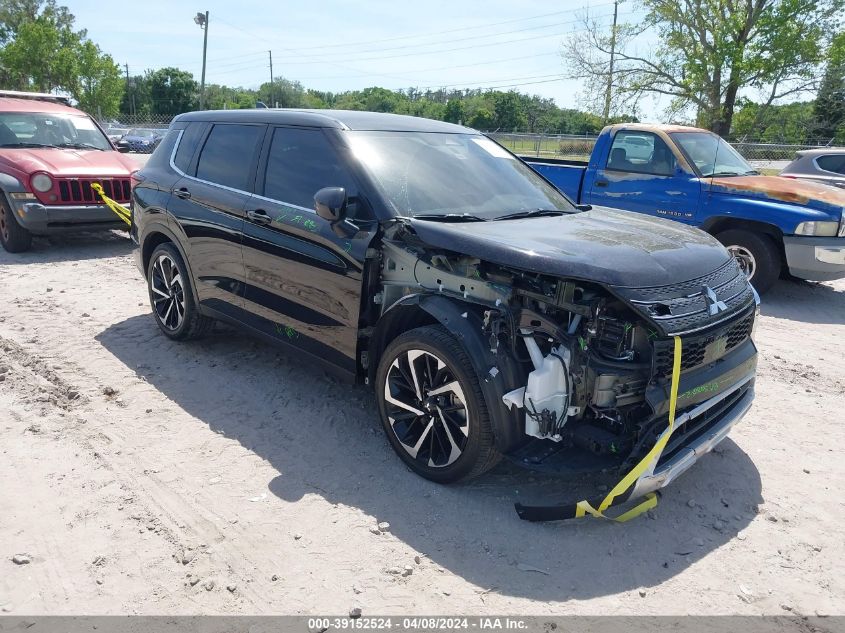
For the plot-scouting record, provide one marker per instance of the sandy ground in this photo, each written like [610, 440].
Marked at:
[139, 475]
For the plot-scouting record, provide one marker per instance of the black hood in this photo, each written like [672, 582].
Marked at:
[603, 245]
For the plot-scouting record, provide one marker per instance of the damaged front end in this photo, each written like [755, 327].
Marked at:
[576, 372]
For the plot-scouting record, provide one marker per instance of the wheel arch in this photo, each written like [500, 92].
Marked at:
[155, 236]
[498, 373]
[719, 224]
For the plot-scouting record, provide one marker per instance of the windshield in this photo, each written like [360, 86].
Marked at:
[49, 129]
[425, 173]
[712, 155]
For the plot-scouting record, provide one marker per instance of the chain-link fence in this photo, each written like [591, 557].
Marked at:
[148, 121]
[770, 157]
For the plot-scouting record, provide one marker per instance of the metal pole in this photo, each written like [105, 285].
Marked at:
[271, 78]
[606, 115]
[204, 48]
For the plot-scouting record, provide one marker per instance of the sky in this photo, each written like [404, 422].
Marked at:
[337, 45]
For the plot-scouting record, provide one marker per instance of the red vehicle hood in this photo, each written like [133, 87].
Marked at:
[68, 162]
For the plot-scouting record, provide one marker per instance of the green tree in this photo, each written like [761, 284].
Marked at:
[172, 91]
[508, 112]
[829, 109]
[711, 49]
[99, 85]
[454, 111]
[16, 13]
[41, 57]
[482, 119]
[284, 92]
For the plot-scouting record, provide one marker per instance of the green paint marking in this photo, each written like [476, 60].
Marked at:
[582, 343]
[286, 330]
[347, 247]
[710, 387]
[652, 334]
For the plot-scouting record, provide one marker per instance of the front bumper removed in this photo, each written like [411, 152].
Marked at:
[734, 402]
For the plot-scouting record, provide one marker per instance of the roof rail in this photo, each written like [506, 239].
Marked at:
[37, 96]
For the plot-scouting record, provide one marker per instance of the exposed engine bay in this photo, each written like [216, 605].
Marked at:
[586, 355]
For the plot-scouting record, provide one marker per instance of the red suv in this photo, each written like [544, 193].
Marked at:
[50, 154]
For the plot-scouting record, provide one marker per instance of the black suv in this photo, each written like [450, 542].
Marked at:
[491, 315]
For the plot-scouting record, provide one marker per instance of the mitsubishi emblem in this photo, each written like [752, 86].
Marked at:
[714, 306]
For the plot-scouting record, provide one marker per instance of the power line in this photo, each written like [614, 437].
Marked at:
[405, 47]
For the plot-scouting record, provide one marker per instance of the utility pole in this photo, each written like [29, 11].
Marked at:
[607, 94]
[132, 96]
[202, 20]
[272, 91]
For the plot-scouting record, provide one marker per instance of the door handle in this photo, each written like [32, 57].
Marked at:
[259, 216]
[601, 183]
[182, 193]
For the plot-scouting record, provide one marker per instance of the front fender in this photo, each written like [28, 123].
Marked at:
[783, 215]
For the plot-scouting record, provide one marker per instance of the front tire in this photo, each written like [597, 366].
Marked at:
[13, 237]
[757, 256]
[432, 407]
[171, 296]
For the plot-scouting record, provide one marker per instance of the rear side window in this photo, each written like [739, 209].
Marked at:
[188, 146]
[161, 156]
[227, 156]
[300, 163]
[832, 162]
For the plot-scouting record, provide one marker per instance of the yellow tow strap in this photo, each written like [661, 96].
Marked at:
[584, 507]
[624, 488]
[119, 210]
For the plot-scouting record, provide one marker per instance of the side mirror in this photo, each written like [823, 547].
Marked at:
[123, 149]
[330, 203]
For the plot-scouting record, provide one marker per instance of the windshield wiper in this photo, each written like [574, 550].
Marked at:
[724, 174]
[25, 145]
[80, 146]
[534, 213]
[449, 217]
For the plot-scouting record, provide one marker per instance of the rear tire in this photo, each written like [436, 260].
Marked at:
[172, 298]
[432, 407]
[757, 255]
[13, 237]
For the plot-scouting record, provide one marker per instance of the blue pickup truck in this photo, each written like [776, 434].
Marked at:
[771, 224]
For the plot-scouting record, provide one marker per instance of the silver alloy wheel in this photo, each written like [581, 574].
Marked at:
[745, 259]
[426, 408]
[168, 293]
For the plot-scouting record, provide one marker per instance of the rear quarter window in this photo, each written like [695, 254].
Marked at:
[191, 137]
[832, 162]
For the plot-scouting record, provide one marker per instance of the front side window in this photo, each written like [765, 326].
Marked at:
[227, 156]
[711, 155]
[434, 173]
[832, 162]
[300, 163]
[641, 152]
[49, 129]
